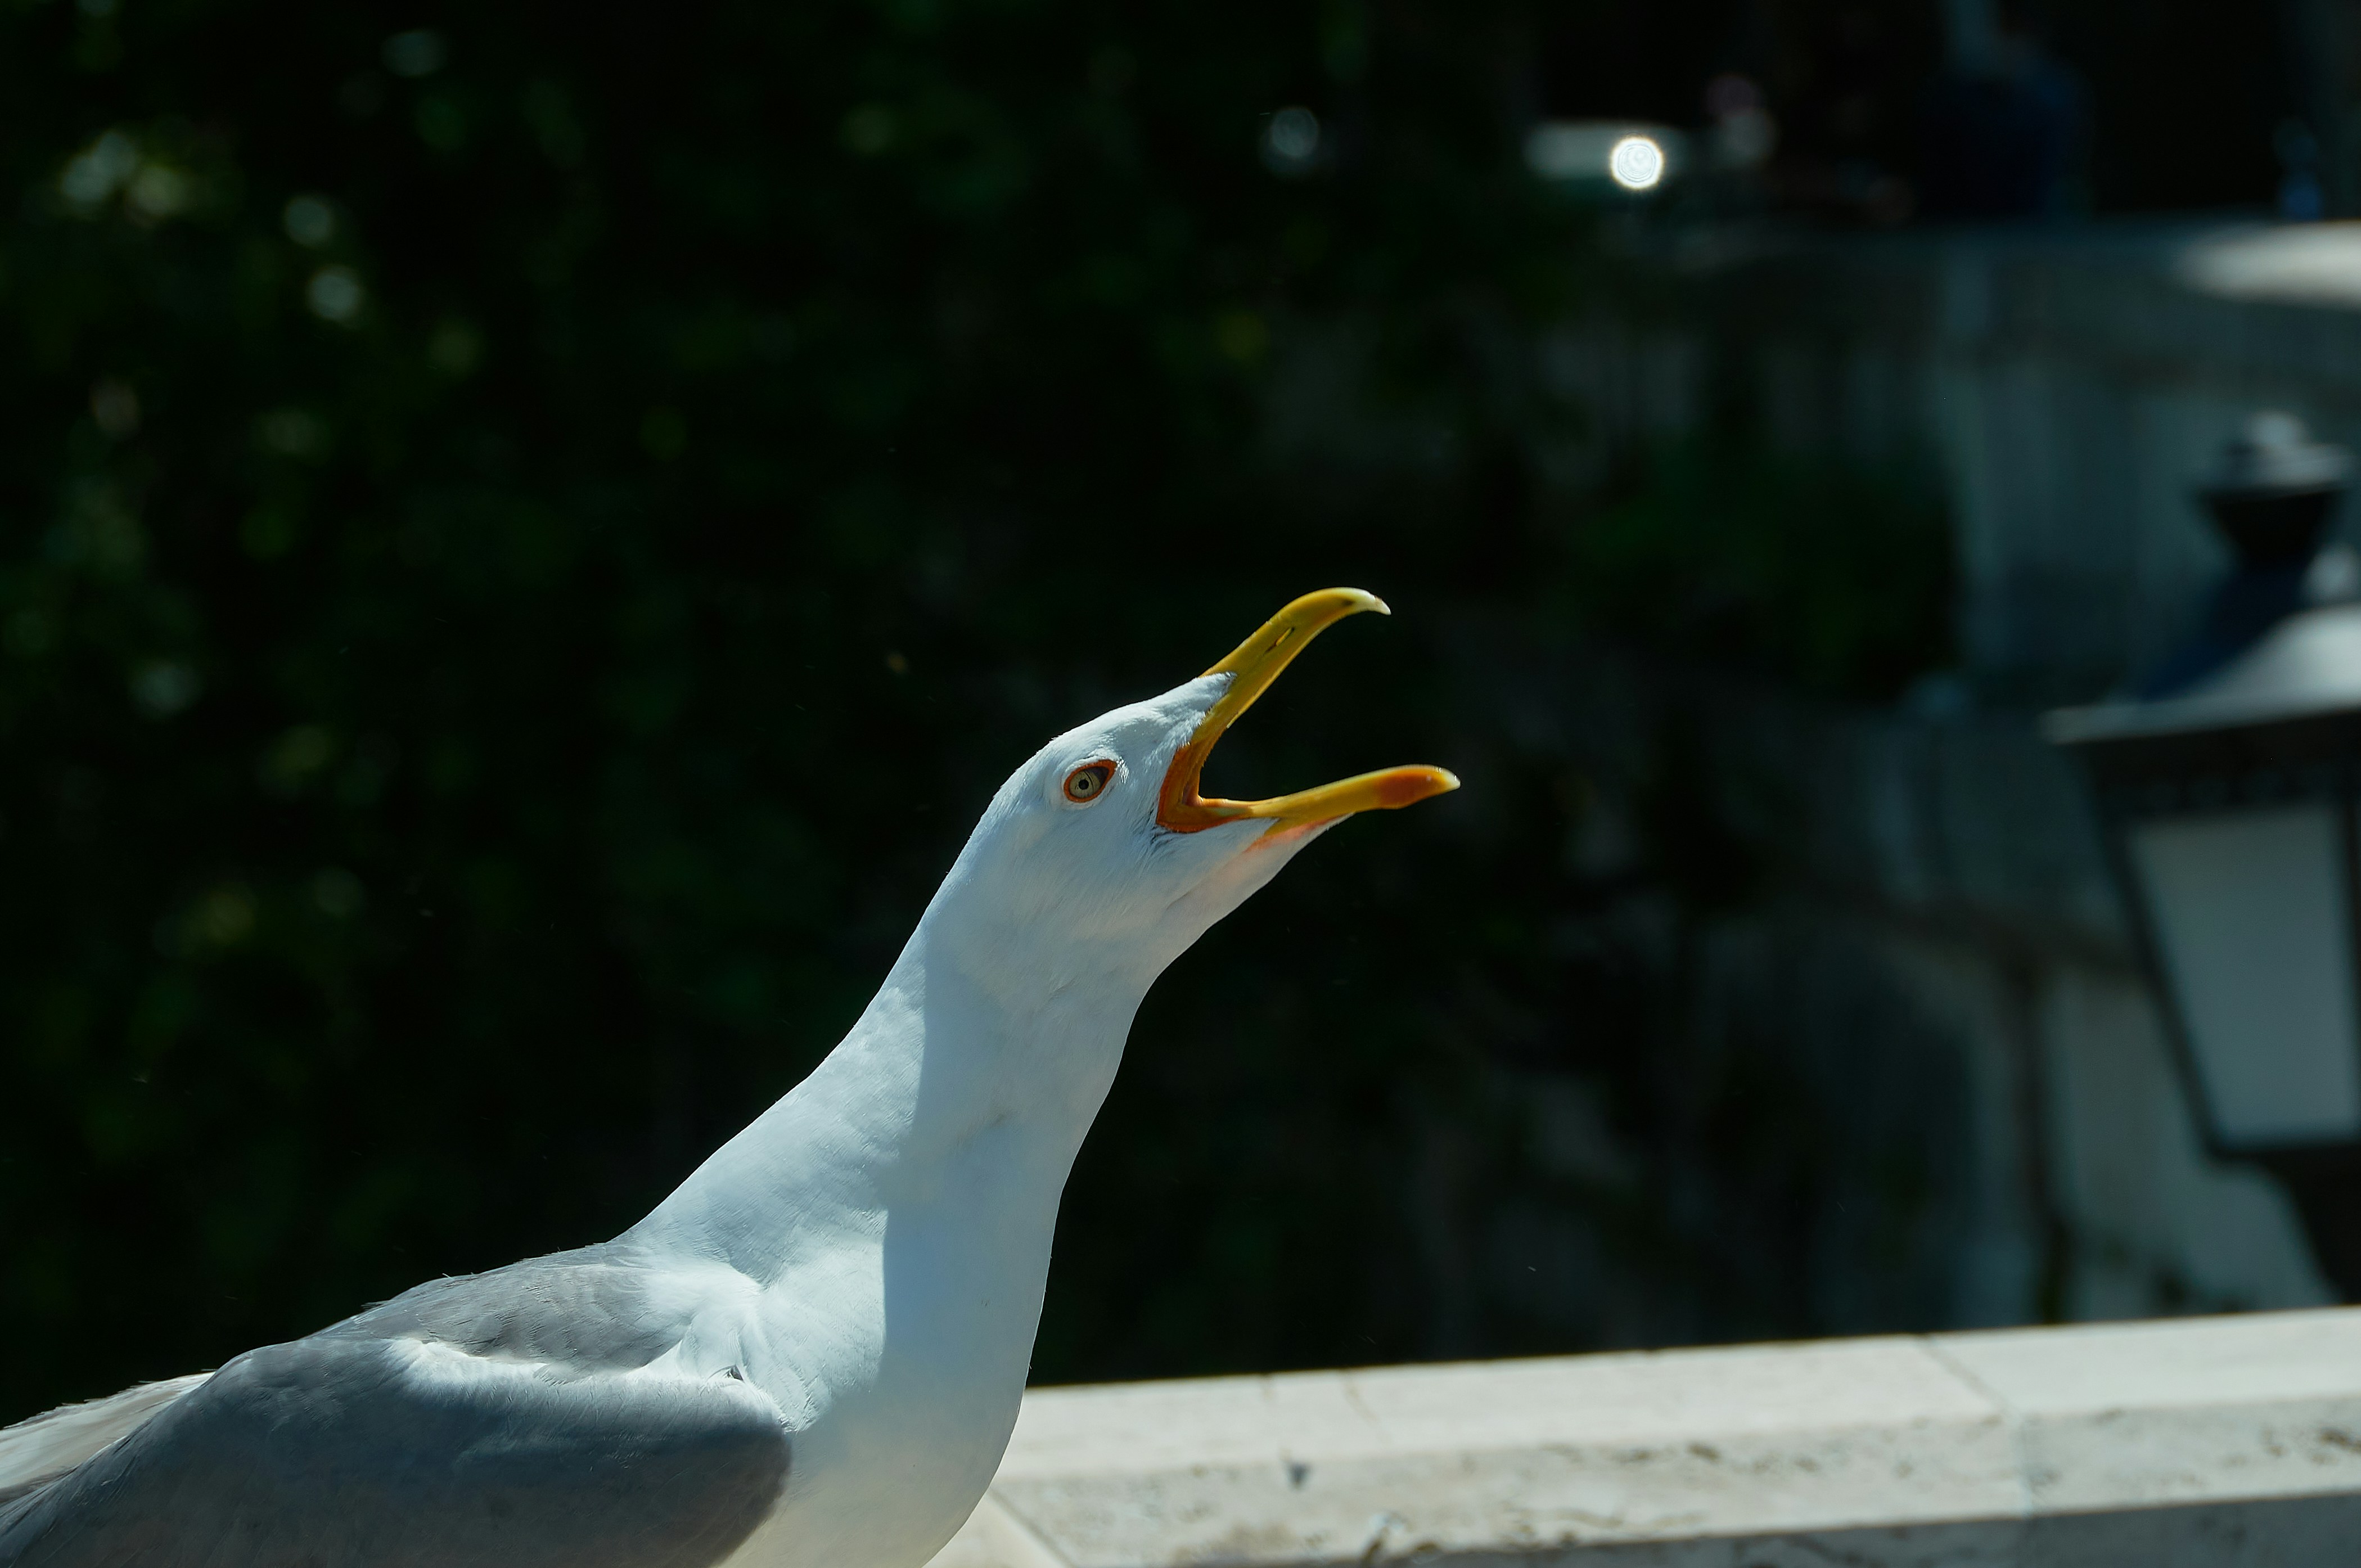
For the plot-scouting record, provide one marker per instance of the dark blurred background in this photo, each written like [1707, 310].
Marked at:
[527, 535]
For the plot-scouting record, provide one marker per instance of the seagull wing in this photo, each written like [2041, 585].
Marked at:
[382, 1441]
[37, 1452]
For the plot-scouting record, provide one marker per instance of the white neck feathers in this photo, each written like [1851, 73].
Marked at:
[951, 1053]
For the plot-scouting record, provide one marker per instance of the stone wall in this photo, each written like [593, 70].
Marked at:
[2066, 389]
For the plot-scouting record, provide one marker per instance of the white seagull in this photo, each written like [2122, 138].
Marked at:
[811, 1354]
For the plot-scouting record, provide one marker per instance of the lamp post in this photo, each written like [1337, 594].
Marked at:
[2229, 791]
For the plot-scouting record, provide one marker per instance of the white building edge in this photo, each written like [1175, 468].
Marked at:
[2222, 1441]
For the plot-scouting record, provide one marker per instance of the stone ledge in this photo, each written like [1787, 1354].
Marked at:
[2194, 1441]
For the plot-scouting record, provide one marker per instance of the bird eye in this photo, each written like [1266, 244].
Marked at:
[1087, 782]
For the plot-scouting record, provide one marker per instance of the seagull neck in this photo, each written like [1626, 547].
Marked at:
[955, 1074]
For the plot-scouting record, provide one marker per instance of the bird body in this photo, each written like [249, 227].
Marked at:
[812, 1352]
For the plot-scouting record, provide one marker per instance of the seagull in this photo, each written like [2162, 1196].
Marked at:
[812, 1352]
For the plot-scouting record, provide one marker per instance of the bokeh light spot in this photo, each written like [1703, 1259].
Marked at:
[309, 221]
[163, 687]
[335, 295]
[1637, 163]
[1291, 143]
[98, 171]
[414, 54]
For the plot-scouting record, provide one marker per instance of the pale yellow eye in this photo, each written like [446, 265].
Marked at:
[1087, 782]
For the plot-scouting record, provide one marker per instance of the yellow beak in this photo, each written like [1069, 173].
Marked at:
[1251, 669]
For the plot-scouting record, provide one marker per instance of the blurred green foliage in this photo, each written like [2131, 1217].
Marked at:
[523, 545]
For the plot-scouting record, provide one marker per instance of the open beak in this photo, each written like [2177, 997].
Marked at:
[1257, 664]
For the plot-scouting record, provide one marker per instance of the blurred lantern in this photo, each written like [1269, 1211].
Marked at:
[2228, 787]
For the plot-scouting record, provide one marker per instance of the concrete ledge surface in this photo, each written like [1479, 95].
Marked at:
[2234, 1439]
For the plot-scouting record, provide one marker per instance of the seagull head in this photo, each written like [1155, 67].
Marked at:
[1102, 856]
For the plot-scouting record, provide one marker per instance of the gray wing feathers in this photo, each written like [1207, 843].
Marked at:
[34, 1452]
[487, 1422]
[589, 1309]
